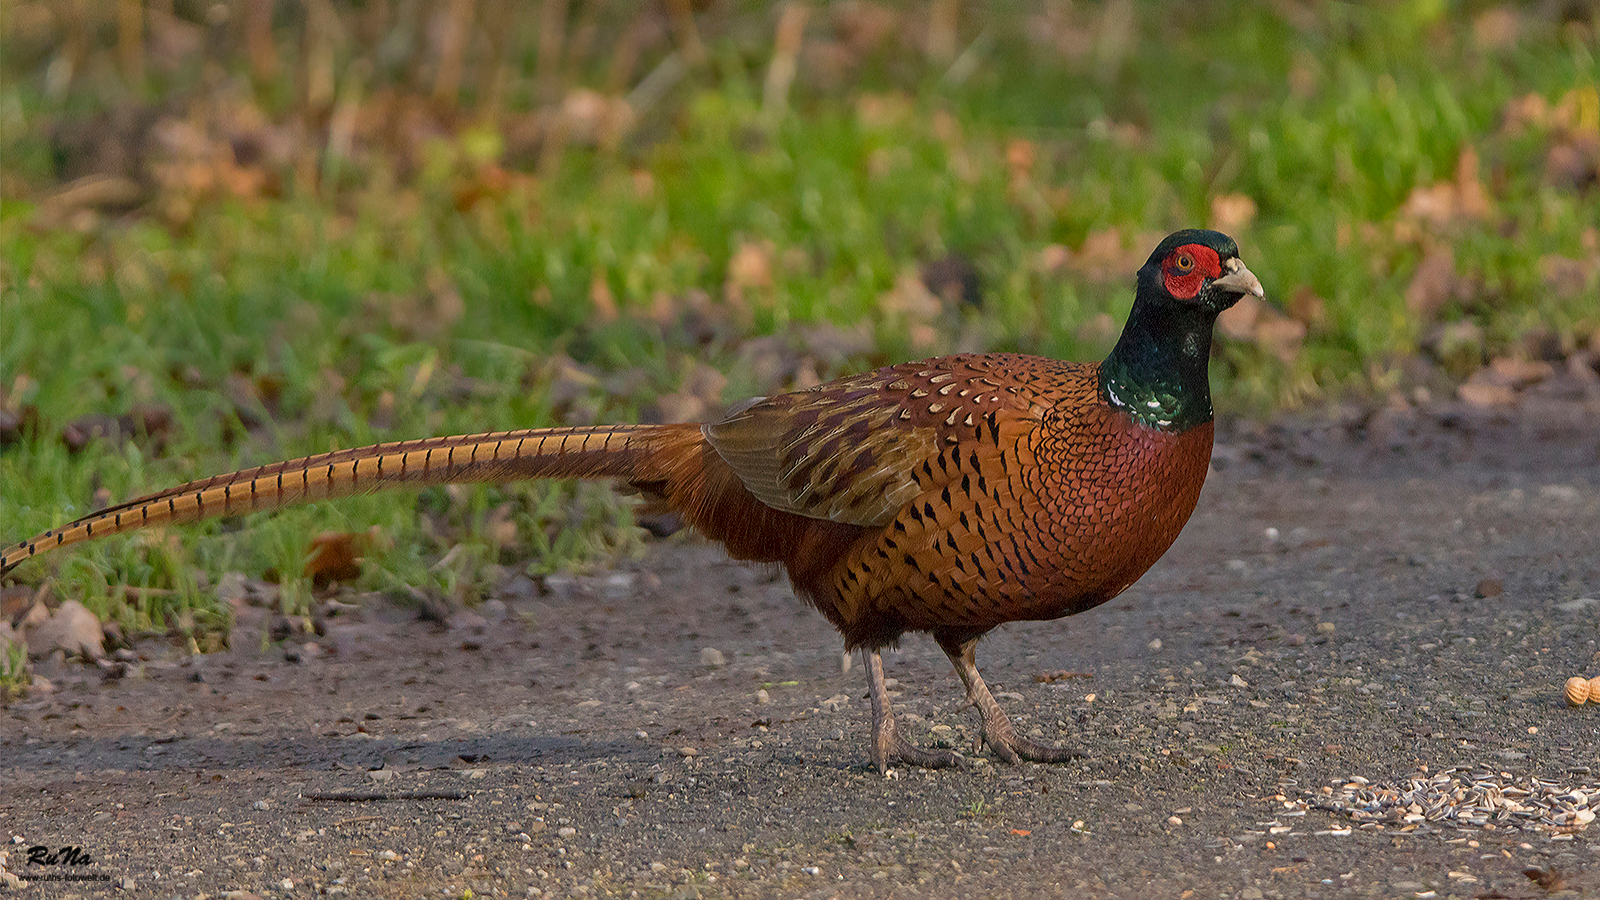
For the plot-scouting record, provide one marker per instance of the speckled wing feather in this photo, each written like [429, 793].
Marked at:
[847, 451]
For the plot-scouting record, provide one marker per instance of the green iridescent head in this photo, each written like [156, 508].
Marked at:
[1157, 372]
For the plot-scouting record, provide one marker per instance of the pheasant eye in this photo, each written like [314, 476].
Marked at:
[1184, 262]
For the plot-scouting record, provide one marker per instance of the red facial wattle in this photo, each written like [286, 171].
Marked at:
[1186, 269]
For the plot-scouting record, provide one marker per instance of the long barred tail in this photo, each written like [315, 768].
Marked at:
[640, 453]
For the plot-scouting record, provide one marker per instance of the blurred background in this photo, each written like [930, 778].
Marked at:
[240, 231]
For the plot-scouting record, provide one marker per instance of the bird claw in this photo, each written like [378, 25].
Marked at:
[1019, 749]
[889, 747]
[1003, 740]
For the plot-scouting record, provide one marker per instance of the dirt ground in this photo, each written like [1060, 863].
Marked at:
[1389, 595]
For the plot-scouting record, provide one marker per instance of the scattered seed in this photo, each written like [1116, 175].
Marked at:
[1460, 797]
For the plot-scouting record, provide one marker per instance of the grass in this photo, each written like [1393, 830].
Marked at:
[438, 284]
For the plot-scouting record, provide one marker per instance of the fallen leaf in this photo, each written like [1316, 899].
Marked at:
[1052, 258]
[1445, 203]
[1307, 307]
[910, 299]
[336, 555]
[1498, 383]
[1238, 322]
[1280, 336]
[1520, 373]
[604, 302]
[1253, 319]
[1496, 28]
[749, 269]
[1021, 154]
[1232, 212]
[1434, 282]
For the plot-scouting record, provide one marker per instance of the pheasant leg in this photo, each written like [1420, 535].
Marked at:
[887, 744]
[996, 728]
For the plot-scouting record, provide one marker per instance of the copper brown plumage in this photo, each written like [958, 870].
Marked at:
[949, 496]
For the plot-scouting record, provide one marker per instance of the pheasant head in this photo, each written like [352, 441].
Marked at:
[1157, 371]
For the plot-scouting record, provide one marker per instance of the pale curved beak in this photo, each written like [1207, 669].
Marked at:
[1239, 280]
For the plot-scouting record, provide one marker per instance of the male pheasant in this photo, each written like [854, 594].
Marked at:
[949, 495]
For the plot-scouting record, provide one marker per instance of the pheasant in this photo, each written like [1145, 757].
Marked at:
[948, 496]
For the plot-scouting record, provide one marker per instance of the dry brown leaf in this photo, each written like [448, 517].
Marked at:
[1021, 155]
[1567, 277]
[1519, 373]
[910, 299]
[1573, 163]
[1445, 203]
[706, 382]
[1253, 319]
[828, 64]
[1307, 307]
[1498, 383]
[1486, 393]
[1232, 212]
[805, 375]
[499, 528]
[336, 555]
[1472, 198]
[568, 380]
[1104, 256]
[878, 112]
[864, 25]
[603, 302]
[1496, 28]
[1052, 258]
[1280, 336]
[1238, 321]
[1528, 111]
[749, 269]
[674, 407]
[1434, 283]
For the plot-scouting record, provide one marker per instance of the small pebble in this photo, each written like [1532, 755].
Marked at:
[762, 696]
[711, 656]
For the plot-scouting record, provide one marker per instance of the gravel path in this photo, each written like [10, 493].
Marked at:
[1365, 618]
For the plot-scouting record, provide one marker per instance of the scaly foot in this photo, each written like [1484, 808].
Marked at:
[996, 730]
[888, 747]
[1002, 738]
